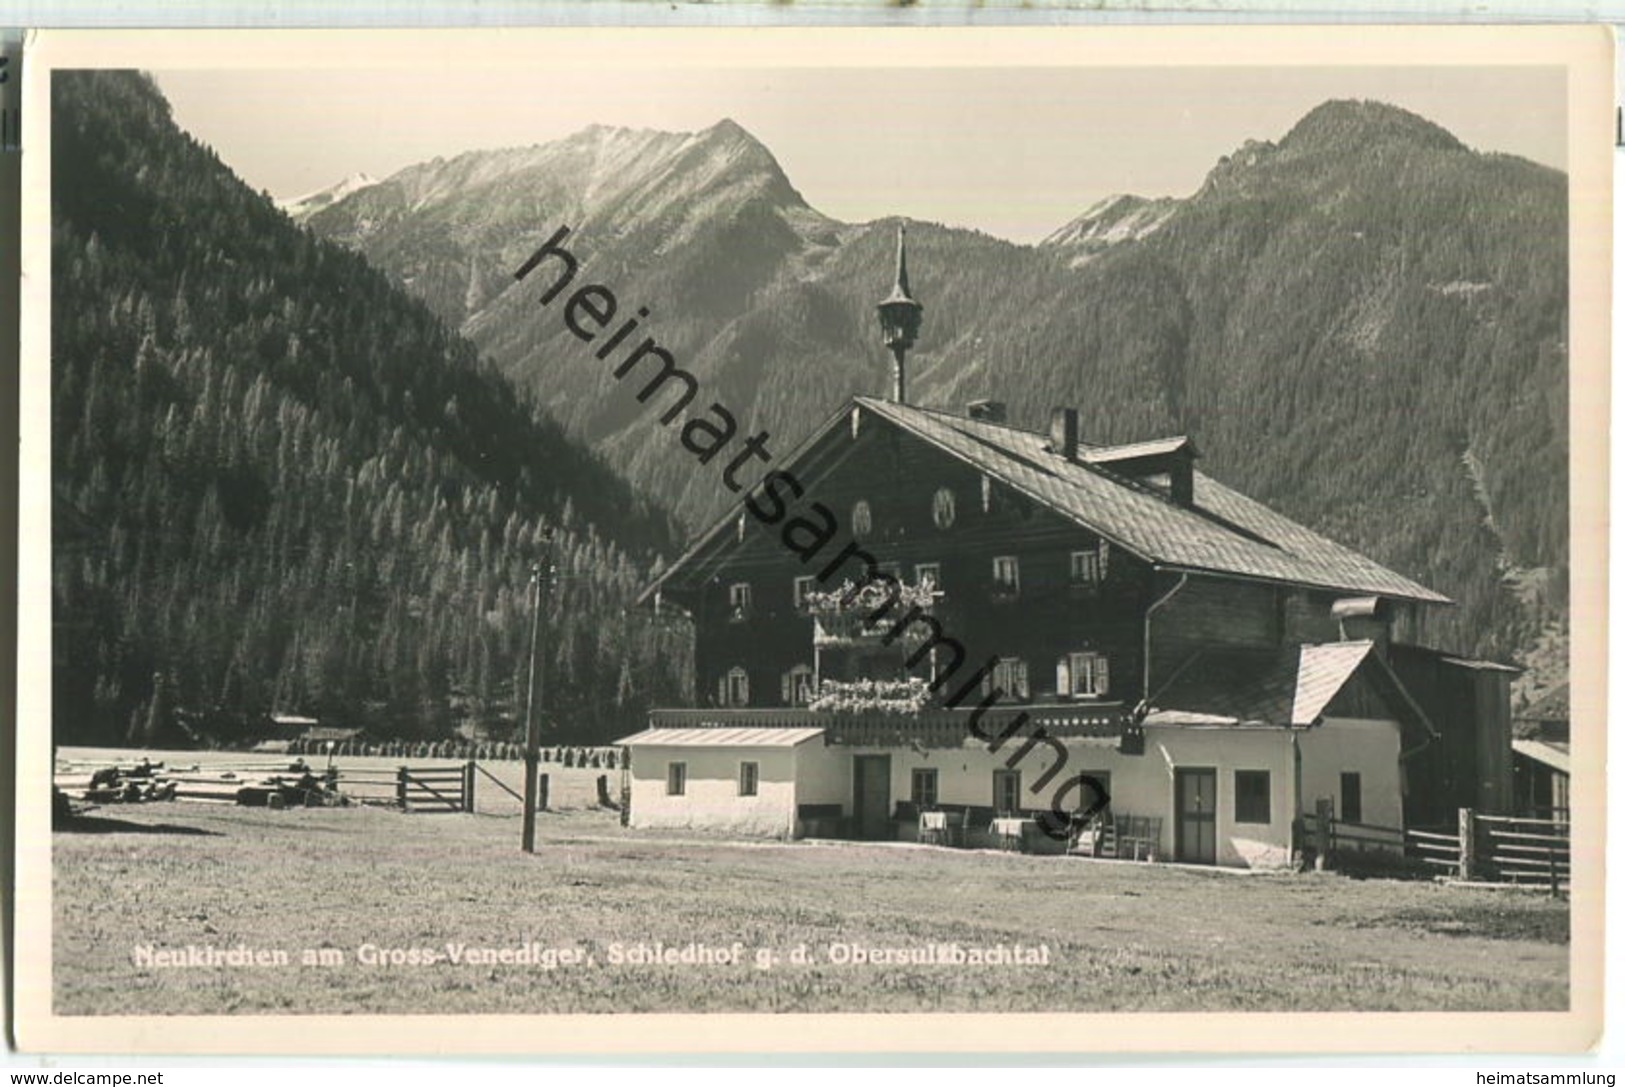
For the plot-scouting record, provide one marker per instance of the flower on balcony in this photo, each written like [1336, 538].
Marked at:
[900, 696]
[868, 598]
[861, 613]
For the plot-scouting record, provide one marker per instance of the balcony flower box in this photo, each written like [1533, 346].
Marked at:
[863, 614]
[895, 696]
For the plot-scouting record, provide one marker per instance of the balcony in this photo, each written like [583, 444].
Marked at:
[859, 616]
[930, 728]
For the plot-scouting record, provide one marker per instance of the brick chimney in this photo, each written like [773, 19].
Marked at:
[1063, 432]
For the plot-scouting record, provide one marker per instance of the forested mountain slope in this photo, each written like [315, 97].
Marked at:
[282, 484]
[1363, 324]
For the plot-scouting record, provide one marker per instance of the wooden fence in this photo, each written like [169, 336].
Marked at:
[1495, 848]
[1488, 848]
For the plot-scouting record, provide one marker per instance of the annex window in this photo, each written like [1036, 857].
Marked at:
[799, 588]
[1351, 811]
[928, 574]
[1006, 575]
[749, 772]
[1082, 675]
[676, 778]
[1084, 569]
[739, 601]
[1006, 791]
[942, 508]
[734, 688]
[1252, 796]
[796, 686]
[1009, 676]
[923, 787]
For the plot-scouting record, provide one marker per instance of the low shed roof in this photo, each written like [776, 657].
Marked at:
[722, 737]
[1548, 755]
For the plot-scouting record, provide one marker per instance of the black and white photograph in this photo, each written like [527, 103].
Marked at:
[1062, 526]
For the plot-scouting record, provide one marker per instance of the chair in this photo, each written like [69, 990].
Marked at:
[1138, 836]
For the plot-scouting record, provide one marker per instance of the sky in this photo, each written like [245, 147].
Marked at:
[1015, 152]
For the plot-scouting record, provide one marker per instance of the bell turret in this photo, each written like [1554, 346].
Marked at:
[899, 320]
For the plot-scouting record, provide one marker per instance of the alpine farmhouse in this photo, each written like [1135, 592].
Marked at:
[1030, 625]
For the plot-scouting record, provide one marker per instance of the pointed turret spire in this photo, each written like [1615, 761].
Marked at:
[899, 318]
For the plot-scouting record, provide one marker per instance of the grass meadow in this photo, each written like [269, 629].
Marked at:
[1120, 936]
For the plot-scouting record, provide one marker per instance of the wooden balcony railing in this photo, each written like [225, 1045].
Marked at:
[936, 728]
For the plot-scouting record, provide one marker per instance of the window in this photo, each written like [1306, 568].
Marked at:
[1006, 791]
[1082, 675]
[1252, 796]
[739, 601]
[799, 589]
[928, 573]
[942, 508]
[676, 778]
[1006, 575]
[863, 521]
[796, 686]
[1085, 569]
[1010, 676]
[733, 689]
[748, 773]
[923, 788]
[1351, 812]
[1096, 789]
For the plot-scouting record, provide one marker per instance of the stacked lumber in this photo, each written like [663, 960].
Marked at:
[276, 785]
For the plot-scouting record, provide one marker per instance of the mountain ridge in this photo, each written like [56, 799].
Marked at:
[1338, 316]
[281, 484]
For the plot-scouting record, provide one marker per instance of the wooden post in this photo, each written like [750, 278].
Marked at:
[603, 791]
[1323, 833]
[541, 792]
[541, 574]
[400, 787]
[1467, 865]
[468, 786]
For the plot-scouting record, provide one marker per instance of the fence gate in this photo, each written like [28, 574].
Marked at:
[413, 788]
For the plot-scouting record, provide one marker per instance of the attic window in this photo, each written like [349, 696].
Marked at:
[863, 521]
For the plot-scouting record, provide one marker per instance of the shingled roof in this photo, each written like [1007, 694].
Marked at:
[1222, 532]
[1285, 687]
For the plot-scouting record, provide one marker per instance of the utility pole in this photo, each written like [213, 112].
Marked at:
[541, 579]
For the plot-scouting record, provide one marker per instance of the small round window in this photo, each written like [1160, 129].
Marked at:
[942, 508]
[863, 521]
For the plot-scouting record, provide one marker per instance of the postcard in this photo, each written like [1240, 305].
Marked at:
[1082, 540]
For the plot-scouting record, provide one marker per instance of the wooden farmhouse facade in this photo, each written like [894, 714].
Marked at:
[968, 631]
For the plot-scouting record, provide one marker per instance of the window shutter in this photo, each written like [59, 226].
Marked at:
[1102, 680]
[722, 690]
[787, 685]
[1063, 677]
[1105, 549]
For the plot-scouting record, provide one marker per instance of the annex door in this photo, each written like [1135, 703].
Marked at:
[871, 796]
[1196, 797]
